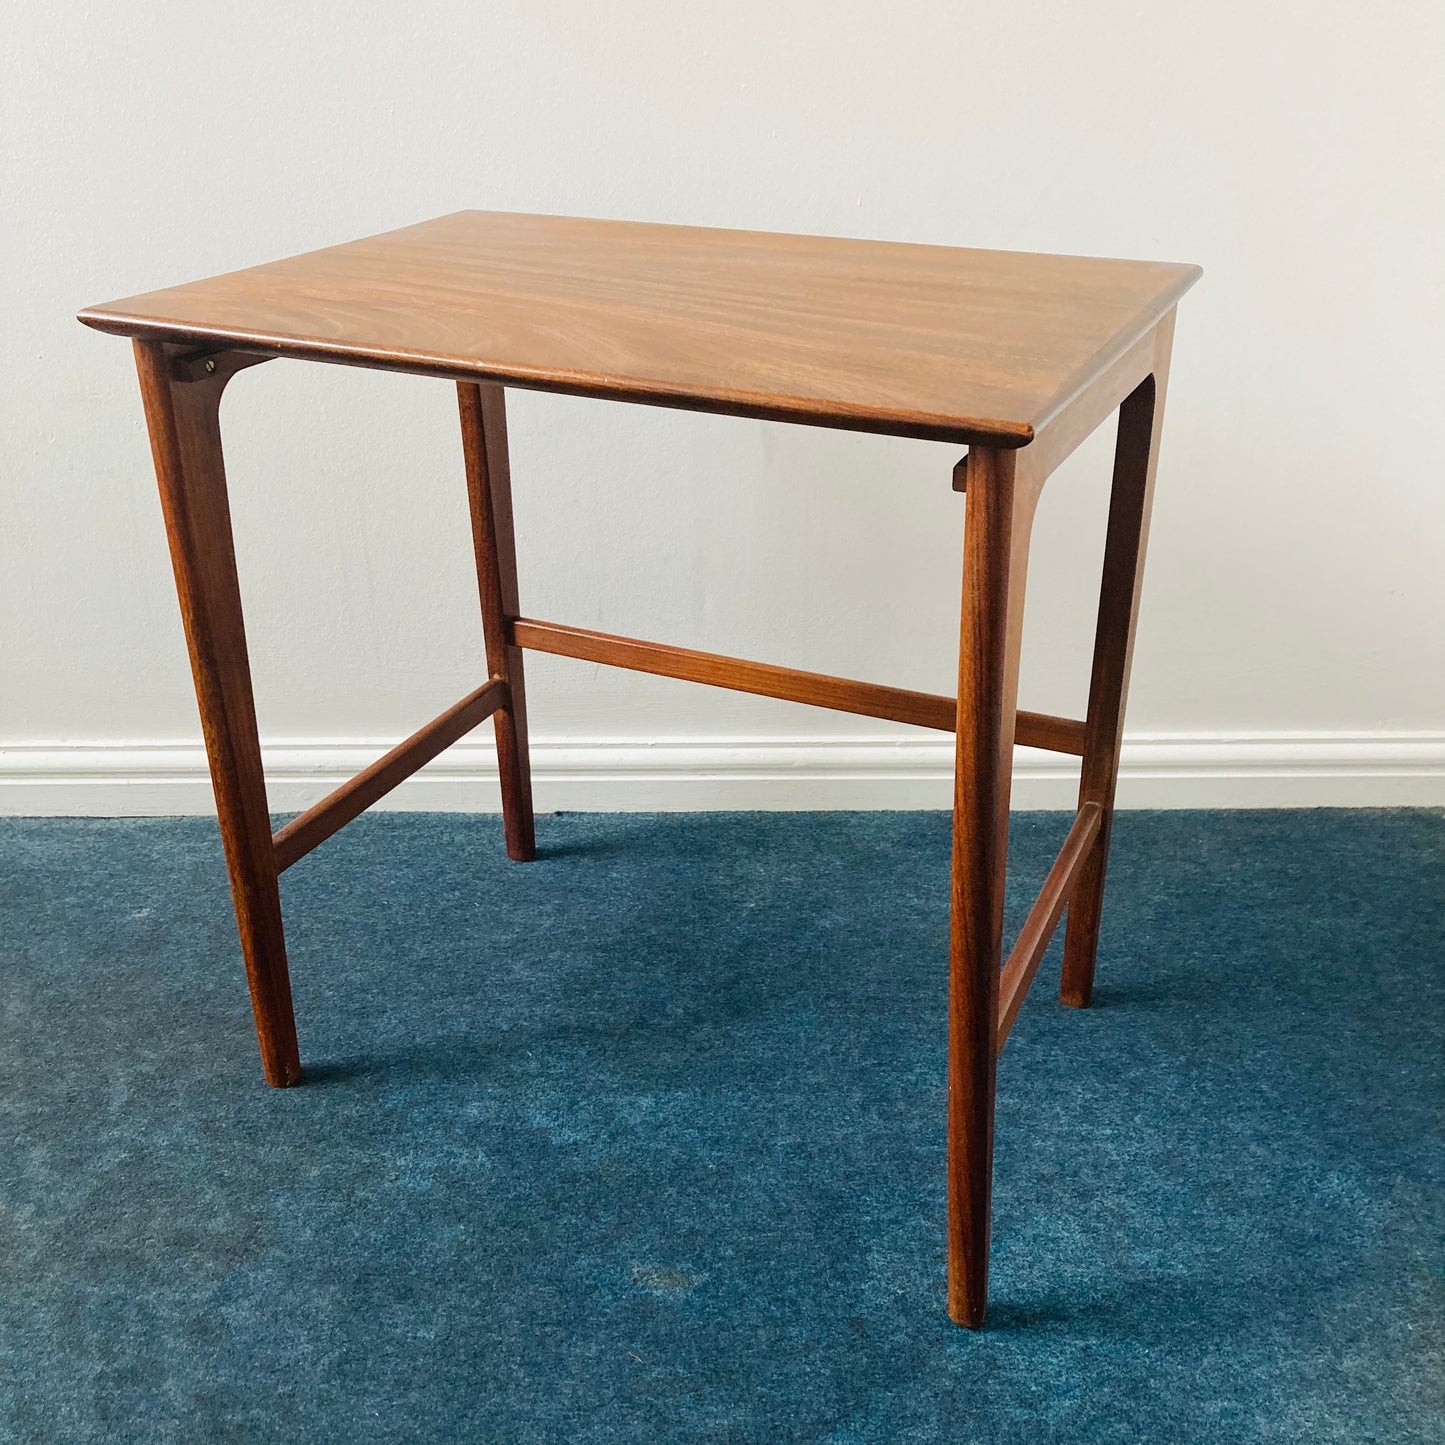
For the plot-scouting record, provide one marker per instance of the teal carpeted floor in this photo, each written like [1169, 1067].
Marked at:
[643, 1142]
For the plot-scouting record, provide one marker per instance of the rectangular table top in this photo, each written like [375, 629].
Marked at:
[926, 341]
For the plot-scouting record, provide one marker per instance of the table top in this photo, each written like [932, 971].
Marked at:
[926, 341]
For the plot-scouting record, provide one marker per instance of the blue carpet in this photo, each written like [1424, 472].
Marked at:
[643, 1142]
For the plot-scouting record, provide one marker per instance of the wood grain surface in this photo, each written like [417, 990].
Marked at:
[927, 341]
[483, 411]
[313, 827]
[816, 689]
[1131, 501]
[185, 433]
[1033, 940]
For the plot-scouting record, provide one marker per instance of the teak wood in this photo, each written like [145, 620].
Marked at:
[313, 827]
[840, 694]
[1019, 357]
[186, 444]
[489, 491]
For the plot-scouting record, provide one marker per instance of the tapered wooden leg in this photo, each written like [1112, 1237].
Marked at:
[1136, 458]
[998, 520]
[489, 488]
[186, 443]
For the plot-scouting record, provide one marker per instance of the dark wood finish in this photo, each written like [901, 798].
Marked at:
[489, 493]
[927, 341]
[1051, 734]
[1089, 410]
[1033, 940]
[1136, 461]
[337, 809]
[185, 435]
[206, 363]
[816, 689]
[1019, 357]
[999, 518]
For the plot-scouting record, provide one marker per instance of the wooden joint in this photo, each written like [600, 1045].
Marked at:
[960, 474]
[839, 694]
[334, 811]
[1033, 940]
[214, 364]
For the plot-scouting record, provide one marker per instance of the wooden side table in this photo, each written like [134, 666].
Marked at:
[1017, 357]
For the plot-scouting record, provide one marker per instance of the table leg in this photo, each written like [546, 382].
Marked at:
[998, 520]
[1136, 458]
[182, 416]
[489, 489]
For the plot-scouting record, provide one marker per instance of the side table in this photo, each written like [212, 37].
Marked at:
[1016, 357]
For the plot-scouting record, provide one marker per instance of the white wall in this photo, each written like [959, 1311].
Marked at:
[1293, 633]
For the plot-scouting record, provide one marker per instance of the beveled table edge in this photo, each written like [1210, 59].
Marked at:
[1001, 432]
[758, 405]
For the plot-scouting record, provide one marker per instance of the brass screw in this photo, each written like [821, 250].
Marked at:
[210, 363]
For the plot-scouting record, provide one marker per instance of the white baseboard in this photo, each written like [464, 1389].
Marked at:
[1215, 770]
